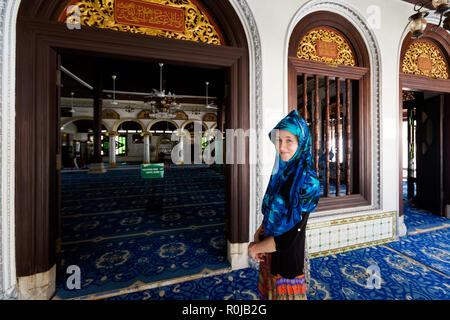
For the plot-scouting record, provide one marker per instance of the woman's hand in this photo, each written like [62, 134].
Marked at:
[254, 253]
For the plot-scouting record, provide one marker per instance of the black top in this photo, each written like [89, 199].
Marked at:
[288, 260]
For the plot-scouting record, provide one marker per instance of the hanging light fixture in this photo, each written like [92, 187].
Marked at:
[208, 106]
[162, 105]
[442, 7]
[418, 22]
[114, 77]
[72, 110]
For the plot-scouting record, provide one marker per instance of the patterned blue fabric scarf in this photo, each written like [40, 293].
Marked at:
[293, 187]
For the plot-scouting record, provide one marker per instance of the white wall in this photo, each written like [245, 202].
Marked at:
[388, 20]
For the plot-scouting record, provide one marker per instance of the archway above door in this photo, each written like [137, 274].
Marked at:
[184, 20]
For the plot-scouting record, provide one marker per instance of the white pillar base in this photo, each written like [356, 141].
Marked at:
[237, 255]
[40, 286]
[97, 168]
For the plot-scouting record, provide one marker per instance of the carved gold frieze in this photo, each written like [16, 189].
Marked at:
[210, 117]
[110, 114]
[145, 114]
[326, 45]
[423, 58]
[181, 115]
[136, 16]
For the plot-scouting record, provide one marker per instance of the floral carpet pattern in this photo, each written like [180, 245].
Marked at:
[121, 248]
[120, 243]
[414, 268]
[344, 276]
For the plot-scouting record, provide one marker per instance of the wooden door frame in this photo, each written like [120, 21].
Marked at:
[36, 130]
[441, 39]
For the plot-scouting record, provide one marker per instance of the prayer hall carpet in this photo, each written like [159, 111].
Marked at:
[122, 245]
[341, 276]
[414, 268]
[418, 220]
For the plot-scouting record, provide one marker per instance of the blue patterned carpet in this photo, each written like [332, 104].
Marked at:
[419, 220]
[414, 268]
[430, 248]
[336, 277]
[123, 248]
[119, 243]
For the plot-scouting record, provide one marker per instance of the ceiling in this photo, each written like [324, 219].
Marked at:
[135, 78]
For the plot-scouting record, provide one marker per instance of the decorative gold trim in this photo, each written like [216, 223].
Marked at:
[349, 220]
[350, 248]
[117, 123]
[353, 220]
[209, 117]
[110, 114]
[149, 126]
[199, 27]
[307, 48]
[438, 68]
[193, 120]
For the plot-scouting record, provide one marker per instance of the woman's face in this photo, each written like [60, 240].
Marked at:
[286, 144]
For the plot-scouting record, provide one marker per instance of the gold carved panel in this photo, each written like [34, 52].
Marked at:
[210, 117]
[181, 115]
[110, 114]
[198, 26]
[326, 45]
[145, 114]
[423, 58]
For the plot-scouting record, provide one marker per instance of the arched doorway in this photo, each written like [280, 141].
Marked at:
[161, 144]
[39, 39]
[424, 115]
[77, 143]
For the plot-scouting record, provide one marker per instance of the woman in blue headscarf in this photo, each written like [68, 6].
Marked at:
[292, 194]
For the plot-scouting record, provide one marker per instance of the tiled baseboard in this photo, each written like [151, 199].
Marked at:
[345, 234]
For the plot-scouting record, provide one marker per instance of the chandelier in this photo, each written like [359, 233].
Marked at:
[418, 22]
[162, 105]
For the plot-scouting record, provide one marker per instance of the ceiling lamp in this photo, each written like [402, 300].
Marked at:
[72, 110]
[114, 77]
[208, 106]
[418, 22]
[162, 105]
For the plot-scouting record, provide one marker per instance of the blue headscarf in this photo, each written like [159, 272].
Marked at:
[293, 187]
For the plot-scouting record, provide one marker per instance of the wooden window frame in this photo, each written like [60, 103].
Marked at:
[360, 73]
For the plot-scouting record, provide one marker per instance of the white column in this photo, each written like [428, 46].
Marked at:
[112, 149]
[146, 147]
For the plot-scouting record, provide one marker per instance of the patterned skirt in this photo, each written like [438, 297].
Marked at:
[278, 288]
